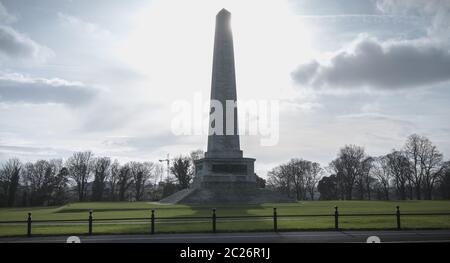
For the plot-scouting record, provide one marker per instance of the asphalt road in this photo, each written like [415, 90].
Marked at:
[406, 236]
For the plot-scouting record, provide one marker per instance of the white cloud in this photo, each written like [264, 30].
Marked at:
[438, 11]
[77, 23]
[18, 88]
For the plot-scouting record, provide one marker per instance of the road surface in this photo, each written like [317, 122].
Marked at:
[260, 237]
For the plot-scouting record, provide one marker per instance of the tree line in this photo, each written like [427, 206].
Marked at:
[85, 177]
[417, 171]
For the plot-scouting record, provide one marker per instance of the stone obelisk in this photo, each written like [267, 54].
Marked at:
[224, 140]
[224, 175]
[224, 172]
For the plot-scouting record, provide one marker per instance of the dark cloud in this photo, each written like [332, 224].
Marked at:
[18, 88]
[304, 72]
[370, 63]
[5, 16]
[18, 46]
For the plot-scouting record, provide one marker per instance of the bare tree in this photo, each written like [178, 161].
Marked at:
[278, 179]
[432, 162]
[125, 181]
[382, 172]
[40, 178]
[366, 167]
[113, 179]
[293, 168]
[348, 167]
[282, 178]
[363, 182]
[426, 164]
[300, 170]
[79, 167]
[60, 182]
[141, 172]
[400, 168]
[313, 178]
[413, 149]
[9, 180]
[101, 170]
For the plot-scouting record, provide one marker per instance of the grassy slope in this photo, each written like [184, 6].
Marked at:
[142, 209]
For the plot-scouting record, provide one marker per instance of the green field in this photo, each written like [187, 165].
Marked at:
[107, 210]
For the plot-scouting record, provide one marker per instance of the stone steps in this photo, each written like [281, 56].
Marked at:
[203, 196]
[178, 196]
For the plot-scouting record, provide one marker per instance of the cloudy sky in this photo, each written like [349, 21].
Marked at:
[102, 75]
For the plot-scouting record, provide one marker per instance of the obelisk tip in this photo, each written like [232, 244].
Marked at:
[223, 12]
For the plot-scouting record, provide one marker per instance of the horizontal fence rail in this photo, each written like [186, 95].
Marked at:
[152, 220]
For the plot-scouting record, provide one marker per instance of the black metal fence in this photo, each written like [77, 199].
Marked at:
[152, 220]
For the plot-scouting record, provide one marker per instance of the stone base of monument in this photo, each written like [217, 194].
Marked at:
[231, 173]
[205, 196]
[225, 180]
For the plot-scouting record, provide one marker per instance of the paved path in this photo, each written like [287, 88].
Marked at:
[260, 237]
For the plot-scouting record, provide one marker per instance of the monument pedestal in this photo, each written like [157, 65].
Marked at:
[225, 181]
[220, 173]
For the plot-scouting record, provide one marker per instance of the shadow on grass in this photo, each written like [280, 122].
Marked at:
[229, 218]
[79, 210]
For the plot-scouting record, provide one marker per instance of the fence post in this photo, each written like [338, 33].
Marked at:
[275, 224]
[214, 220]
[90, 222]
[29, 225]
[153, 222]
[398, 218]
[336, 218]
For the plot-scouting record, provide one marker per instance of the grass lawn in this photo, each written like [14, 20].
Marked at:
[106, 210]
